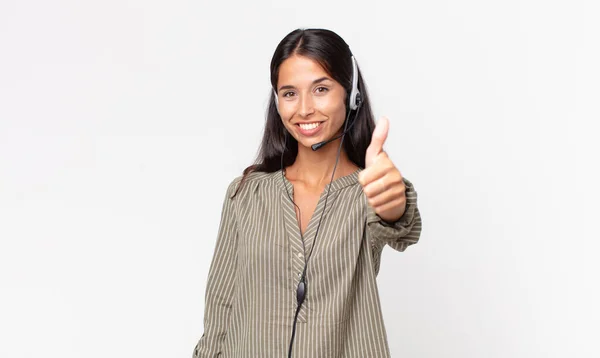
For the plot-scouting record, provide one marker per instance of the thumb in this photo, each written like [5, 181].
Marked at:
[379, 136]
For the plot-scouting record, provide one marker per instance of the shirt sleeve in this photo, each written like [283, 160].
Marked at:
[401, 233]
[220, 284]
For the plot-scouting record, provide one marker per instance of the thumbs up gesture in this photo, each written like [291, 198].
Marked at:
[381, 181]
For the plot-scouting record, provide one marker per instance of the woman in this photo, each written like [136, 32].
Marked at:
[302, 230]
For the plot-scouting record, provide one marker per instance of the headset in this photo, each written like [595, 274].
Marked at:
[354, 103]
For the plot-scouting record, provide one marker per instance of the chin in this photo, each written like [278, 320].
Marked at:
[309, 143]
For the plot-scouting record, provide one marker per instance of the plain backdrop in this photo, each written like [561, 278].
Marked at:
[123, 122]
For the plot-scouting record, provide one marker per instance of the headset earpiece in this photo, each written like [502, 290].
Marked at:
[354, 98]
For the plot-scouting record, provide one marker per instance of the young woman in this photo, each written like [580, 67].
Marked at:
[302, 230]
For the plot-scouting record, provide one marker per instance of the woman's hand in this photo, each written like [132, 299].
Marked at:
[381, 181]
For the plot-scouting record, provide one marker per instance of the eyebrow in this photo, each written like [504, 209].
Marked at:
[318, 80]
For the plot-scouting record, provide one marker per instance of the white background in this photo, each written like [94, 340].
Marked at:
[123, 122]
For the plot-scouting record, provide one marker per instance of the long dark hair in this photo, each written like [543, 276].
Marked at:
[333, 54]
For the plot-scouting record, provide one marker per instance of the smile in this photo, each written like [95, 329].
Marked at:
[309, 129]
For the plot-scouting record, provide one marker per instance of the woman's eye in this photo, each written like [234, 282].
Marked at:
[322, 89]
[287, 93]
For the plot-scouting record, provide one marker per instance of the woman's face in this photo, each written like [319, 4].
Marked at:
[311, 103]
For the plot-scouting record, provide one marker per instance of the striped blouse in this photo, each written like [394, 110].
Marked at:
[250, 299]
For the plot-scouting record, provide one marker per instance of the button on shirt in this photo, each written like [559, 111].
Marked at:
[258, 260]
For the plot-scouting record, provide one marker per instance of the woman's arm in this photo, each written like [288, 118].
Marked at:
[221, 283]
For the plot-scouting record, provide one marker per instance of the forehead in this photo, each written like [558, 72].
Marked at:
[299, 70]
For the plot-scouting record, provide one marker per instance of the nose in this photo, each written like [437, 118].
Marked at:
[306, 106]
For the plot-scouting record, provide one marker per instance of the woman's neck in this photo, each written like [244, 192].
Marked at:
[314, 168]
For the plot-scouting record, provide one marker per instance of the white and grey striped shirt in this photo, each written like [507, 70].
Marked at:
[251, 290]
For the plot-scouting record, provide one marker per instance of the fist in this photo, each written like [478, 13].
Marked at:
[381, 181]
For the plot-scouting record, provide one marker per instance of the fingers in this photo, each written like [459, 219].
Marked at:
[383, 166]
[384, 190]
[389, 205]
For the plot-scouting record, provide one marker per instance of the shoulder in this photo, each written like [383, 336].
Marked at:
[240, 186]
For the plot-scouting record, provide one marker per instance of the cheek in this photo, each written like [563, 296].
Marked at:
[337, 113]
[287, 111]
[332, 108]
[286, 124]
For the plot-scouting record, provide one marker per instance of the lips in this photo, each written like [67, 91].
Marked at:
[309, 129]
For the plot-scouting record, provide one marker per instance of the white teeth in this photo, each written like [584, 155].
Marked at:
[310, 126]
